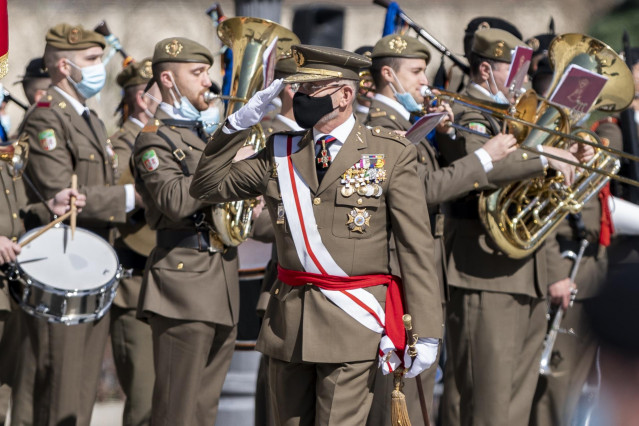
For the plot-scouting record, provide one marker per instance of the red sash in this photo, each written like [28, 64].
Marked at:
[394, 308]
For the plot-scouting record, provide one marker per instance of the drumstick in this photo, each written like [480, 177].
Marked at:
[45, 228]
[74, 209]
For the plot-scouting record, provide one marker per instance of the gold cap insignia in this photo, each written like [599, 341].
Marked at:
[299, 58]
[397, 44]
[146, 70]
[533, 43]
[499, 49]
[74, 35]
[173, 48]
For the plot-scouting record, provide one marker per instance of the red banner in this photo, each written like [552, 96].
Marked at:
[4, 39]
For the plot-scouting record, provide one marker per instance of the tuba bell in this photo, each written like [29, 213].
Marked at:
[248, 38]
[16, 154]
[521, 215]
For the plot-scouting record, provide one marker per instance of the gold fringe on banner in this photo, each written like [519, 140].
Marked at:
[4, 65]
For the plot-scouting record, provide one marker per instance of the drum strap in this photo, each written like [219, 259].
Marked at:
[177, 153]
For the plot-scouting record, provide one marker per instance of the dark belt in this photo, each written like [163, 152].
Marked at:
[570, 244]
[466, 208]
[198, 240]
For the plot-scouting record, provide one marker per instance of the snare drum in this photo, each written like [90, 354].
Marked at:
[63, 280]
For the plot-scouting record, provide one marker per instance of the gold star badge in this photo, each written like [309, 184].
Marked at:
[358, 220]
[397, 44]
[299, 58]
[145, 70]
[173, 48]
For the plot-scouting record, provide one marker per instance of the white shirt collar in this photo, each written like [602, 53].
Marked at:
[482, 89]
[393, 104]
[341, 132]
[292, 124]
[136, 121]
[76, 104]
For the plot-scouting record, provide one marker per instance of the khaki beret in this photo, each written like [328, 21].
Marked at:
[135, 73]
[73, 37]
[496, 44]
[180, 49]
[399, 46]
[317, 63]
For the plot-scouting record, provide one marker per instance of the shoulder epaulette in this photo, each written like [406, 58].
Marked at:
[151, 127]
[378, 113]
[389, 134]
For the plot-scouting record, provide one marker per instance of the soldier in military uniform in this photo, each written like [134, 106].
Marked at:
[335, 192]
[36, 80]
[496, 314]
[557, 394]
[66, 138]
[190, 293]
[399, 63]
[130, 337]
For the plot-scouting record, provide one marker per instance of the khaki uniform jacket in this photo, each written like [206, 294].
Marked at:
[442, 184]
[300, 324]
[181, 283]
[12, 199]
[475, 262]
[596, 257]
[62, 143]
[135, 240]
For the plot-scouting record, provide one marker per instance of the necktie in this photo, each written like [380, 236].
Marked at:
[323, 158]
[87, 118]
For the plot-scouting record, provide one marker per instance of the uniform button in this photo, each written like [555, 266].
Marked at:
[317, 201]
[392, 117]
[7, 191]
[111, 218]
[377, 130]
[14, 215]
[423, 159]
[190, 148]
[277, 291]
[91, 157]
[476, 185]
[180, 265]
[360, 201]
[524, 156]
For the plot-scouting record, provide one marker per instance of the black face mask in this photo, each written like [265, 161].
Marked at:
[309, 110]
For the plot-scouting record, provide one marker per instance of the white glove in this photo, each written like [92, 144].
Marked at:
[426, 355]
[256, 108]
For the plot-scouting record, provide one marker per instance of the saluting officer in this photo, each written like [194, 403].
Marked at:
[190, 293]
[398, 70]
[65, 138]
[130, 337]
[334, 192]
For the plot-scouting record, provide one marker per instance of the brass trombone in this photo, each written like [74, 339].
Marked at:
[522, 121]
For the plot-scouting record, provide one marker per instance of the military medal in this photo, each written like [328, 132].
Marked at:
[324, 158]
[281, 215]
[358, 220]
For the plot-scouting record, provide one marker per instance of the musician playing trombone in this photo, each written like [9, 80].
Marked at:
[496, 314]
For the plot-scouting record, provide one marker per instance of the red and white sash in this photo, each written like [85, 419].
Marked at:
[315, 257]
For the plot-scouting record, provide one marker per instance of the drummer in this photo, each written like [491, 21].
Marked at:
[66, 137]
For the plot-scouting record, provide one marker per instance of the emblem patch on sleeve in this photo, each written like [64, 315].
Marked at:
[47, 140]
[150, 160]
[478, 127]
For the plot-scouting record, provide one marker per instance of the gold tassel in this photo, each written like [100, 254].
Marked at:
[399, 412]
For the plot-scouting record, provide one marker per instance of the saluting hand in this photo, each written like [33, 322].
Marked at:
[256, 108]
[8, 250]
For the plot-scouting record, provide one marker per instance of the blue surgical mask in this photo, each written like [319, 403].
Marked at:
[93, 79]
[498, 97]
[404, 98]
[210, 119]
[184, 107]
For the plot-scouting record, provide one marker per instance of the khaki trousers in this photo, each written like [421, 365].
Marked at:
[132, 343]
[68, 363]
[24, 374]
[321, 394]
[496, 341]
[191, 361]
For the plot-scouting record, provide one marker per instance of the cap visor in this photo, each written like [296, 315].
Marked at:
[303, 78]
